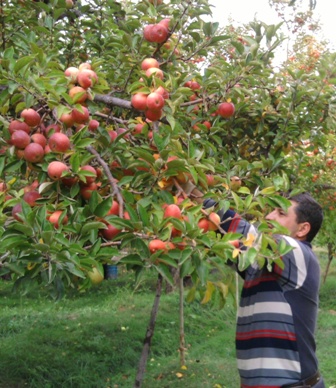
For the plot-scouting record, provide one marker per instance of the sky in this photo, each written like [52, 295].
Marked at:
[244, 11]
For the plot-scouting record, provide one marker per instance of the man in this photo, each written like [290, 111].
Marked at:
[278, 309]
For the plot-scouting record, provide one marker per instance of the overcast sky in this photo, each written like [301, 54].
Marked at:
[244, 11]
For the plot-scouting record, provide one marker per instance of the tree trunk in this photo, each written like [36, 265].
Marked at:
[182, 337]
[330, 257]
[149, 335]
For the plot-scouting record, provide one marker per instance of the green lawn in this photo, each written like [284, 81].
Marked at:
[95, 339]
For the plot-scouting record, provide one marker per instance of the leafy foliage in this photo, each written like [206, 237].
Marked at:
[279, 112]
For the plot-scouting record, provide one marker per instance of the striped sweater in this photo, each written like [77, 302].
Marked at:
[277, 315]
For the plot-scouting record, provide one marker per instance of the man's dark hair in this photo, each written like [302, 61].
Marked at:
[308, 210]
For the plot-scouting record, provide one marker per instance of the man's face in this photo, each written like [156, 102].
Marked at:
[286, 219]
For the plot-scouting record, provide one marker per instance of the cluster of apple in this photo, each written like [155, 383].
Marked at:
[27, 143]
[32, 139]
[31, 196]
[206, 223]
[82, 79]
[151, 104]
[157, 33]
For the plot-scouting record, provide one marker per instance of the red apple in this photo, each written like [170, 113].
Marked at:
[20, 139]
[67, 119]
[195, 85]
[153, 115]
[78, 94]
[87, 78]
[54, 218]
[86, 191]
[69, 4]
[17, 209]
[34, 153]
[214, 221]
[155, 72]
[89, 179]
[52, 128]
[155, 245]
[113, 135]
[210, 179]
[226, 109]
[69, 181]
[32, 187]
[56, 169]
[16, 125]
[114, 210]
[148, 63]
[93, 125]
[59, 142]
[31, 196]
[159, 33]
[235, 182]
[31, 117]
[85, 66]
[172, 210]
[110, 232]
[155, 101]
[121, 131]
[72, 73]
[139, 101]
[165, 22]
[39, 139]
[164, 93]
[139, 128]
[203, 224]
[80, 117]
[147, 32]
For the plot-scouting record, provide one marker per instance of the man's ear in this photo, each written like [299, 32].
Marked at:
[303, 230]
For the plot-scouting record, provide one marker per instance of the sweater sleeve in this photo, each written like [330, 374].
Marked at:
[231, 221]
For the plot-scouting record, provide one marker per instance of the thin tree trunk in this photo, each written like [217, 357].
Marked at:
[330, 257]
[182, 337]
[149, 335]
[237, 293]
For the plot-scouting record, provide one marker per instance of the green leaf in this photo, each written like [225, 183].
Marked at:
[102, 209]
[18, 242]
[131, 259]
[186, 269]
[94, 200]
[165, 273]
[2, 164]
[89, 226]
[191, 294]
[219, 38]
[171, 121]
[144, 216]
[13, 166]
[22, 62]
[25, 229]
[15, 268]
[268, 190]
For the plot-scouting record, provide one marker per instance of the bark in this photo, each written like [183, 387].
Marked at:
[330, 257]
[149, 335]
[182, 335]
[114, 101]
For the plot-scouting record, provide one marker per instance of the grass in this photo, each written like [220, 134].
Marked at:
[95, 339]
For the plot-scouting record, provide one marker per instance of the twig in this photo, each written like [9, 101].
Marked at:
[116, 190]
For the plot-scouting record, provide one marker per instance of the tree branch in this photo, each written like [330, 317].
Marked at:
[109, 100]
[116, 190]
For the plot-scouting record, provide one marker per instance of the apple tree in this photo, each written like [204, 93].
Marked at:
[118, 119]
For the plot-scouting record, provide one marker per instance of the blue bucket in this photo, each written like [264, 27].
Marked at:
[111, 271]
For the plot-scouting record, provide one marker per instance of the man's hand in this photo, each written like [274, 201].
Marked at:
[189, 190]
